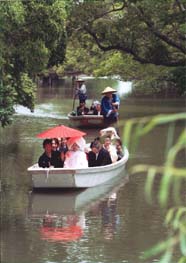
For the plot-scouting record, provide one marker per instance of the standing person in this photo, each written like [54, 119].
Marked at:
[110, 104]
[81, 90]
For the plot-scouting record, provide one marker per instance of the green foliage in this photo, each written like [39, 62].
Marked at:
[150, 33]
[178, 77]
[26, 91]
[7, 100]
[32, 38]
[135, 40]
[171, 180]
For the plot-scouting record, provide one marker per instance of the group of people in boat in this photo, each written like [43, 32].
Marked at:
[108, 107]
[74, 153]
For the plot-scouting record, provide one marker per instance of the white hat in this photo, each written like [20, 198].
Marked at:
[108, 90]
[110, 131]
[96, 102]
[80, 141]
[80, 80]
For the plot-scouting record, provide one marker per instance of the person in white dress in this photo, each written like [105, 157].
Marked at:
[76, 156]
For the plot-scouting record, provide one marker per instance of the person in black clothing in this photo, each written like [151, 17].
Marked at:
[82, 109]
[119, 149]
[50, 157]
[56, 159]
[97, 139]
[98, 156]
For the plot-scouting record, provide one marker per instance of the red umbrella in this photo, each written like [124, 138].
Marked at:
[60, 131]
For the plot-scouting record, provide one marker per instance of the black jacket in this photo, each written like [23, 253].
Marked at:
[103, 158]
[55, 160]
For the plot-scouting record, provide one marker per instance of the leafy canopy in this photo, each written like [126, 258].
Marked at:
[32, 38]
[151, 32]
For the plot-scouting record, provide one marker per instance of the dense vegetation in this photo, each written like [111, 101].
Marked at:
[143, 41]
[32, 38]
[138, 40]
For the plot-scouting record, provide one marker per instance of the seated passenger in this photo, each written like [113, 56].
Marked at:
[111, 149]
[96, 108]
[97, 139]
[45, 158]
[50, 157]
[57, 157]
[119, 149]
[98, 156]
[63, 147]
[82, 109]
[55, 144]
[76, 157]
[111, 132]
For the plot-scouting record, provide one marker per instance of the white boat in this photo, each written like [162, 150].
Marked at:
[76, 178]
[87, 120]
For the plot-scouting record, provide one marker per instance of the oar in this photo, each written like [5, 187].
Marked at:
[74, 101]
[75, 95]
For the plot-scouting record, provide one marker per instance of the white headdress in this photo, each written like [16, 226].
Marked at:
[80, 141]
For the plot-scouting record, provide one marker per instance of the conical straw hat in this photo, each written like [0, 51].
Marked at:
[108, 90]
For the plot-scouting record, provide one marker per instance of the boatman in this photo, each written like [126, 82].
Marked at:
[110, 104]
[81, 90]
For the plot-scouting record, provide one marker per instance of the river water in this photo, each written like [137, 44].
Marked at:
[110, 224]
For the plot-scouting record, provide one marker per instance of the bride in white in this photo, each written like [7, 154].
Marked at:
[76, 156]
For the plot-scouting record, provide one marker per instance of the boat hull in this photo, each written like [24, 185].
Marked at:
[88, 121]
[75, 178]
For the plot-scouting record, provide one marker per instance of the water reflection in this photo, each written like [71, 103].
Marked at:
[61, 216]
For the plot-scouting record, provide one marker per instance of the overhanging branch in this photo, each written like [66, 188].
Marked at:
[131, 51]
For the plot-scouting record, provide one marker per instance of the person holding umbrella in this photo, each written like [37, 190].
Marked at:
[60, 131]
[50, 157]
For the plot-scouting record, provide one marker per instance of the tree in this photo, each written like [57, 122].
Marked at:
[152, 33]
[142, 41]
[32, 38]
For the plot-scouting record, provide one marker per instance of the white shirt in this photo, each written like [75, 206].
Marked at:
[83, 89]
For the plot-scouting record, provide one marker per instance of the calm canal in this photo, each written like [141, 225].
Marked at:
[114, 224]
